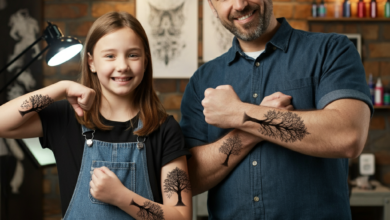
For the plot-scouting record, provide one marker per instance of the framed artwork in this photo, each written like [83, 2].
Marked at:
[216, 38]
[357, 41]
[172, 30]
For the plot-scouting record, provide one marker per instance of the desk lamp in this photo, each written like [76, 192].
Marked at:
[61, 50]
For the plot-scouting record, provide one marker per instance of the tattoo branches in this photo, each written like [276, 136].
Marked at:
[36, 103]
[286, 126]
[149, 211]
[177, 181]
[232, 145]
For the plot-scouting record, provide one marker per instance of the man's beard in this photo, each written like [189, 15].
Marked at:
[255, 28]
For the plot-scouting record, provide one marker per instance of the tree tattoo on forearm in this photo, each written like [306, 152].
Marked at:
[35, 103]
[231, 146]
[286, 126]
[149, 211]
[177, 181]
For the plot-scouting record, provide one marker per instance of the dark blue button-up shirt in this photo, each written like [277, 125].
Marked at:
[273, 182]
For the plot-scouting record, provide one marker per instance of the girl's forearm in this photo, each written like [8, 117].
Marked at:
[17, 112]
[142, 208]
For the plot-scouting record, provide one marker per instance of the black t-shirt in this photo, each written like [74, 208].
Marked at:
[63, 135]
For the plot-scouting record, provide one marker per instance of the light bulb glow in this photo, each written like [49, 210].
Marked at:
[65, 55]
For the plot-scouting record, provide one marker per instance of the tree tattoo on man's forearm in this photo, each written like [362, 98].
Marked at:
[149, 211]
[35, 103]
[286, 126]
[231, 146]
[177, 181]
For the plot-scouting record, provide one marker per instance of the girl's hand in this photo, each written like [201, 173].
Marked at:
[80, 97]
[105, 186]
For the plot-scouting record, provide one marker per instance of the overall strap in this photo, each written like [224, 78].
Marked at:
[140, 124]
[89, 139]
[85, 129]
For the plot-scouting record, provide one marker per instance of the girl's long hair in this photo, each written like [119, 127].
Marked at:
[151, 111]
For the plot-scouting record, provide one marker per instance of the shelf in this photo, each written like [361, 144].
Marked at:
[382, 107]
[354, 19]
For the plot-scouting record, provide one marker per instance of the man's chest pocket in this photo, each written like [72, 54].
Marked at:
[301, 90]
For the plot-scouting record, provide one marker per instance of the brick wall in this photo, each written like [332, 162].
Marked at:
[74, 17]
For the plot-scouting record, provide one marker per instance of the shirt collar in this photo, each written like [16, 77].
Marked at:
[280, 40]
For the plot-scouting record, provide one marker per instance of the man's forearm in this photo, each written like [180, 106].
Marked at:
[339, 130]
[211, 163]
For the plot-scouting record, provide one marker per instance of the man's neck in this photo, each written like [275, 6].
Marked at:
[259, 43]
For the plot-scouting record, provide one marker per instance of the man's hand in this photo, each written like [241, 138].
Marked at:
[222, 107]
[278, 100]
[105, 185]
[80, 97]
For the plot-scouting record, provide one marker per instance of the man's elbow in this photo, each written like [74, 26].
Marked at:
[355, 146]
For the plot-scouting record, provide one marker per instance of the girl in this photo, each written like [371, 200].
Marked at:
[133, 161]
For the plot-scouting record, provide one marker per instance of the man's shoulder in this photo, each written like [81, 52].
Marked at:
[316, 37]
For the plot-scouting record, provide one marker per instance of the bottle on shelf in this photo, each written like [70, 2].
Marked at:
[337, 9]
[314, 9]
[378, 93]
[361, 9]
[372, 88]
[347, 9]
[322, 9]
[373, 9]
[386, 96]
[387, 9]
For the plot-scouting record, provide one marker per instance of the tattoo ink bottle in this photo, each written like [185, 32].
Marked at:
[337, 9]
[346, 9]
[314, 10]
[322, 9]
[372, 88]
[361, 9]
[373, 9]
[387, 9]
[379, 93]
[386, 96]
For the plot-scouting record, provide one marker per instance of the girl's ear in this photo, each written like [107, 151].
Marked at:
[91, 63]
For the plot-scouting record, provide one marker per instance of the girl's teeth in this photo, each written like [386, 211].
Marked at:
[122, 80]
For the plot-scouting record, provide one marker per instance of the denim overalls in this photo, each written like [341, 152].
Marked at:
[126, 160]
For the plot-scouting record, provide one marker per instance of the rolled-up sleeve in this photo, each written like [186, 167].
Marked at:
[343, 75]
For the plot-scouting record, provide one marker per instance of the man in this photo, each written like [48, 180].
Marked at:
[260, 162]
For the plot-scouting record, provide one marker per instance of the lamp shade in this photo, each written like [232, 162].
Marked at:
[62, 49]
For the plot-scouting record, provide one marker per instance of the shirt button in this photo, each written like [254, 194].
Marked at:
[256, 199]
[257, 64]
[254, 163]
[254, 95]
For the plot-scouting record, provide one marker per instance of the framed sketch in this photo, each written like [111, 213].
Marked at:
[357, 41]
[216, 38]
[172, 29]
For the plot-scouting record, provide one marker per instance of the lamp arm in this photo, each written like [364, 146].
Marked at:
[24, 68]
[23, 52]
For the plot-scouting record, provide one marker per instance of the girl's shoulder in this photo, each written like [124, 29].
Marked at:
[168, 128]
[170, 123]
